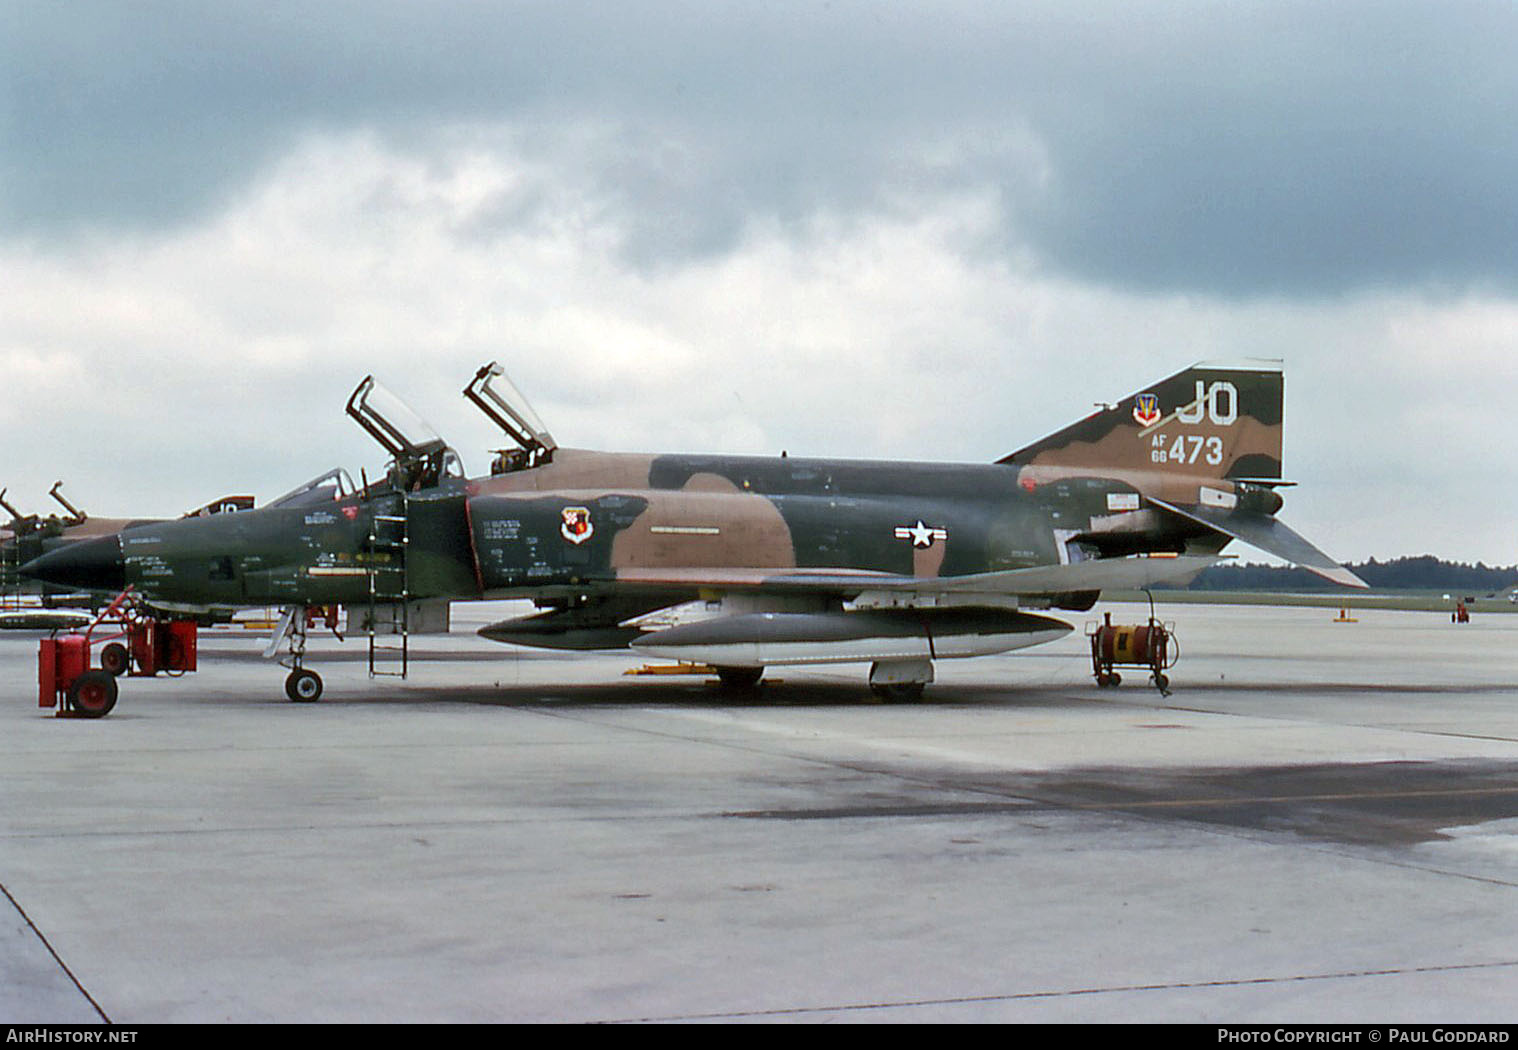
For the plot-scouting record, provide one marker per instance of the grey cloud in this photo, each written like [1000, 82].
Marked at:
[1234, 149]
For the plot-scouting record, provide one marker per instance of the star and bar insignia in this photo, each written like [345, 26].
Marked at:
[920, 534]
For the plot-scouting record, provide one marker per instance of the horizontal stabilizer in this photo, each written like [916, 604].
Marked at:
[1270, 536]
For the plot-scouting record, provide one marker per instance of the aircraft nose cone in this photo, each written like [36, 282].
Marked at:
[89, 565]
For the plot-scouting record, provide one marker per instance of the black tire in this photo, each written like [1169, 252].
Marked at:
[114, 659]
[900, 692]
[93, 694]
[740, 677]
[303, 686]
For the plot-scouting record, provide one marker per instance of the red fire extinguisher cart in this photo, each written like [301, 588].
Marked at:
[142, 646]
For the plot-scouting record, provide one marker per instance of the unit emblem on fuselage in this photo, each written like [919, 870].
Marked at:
[1146, 409]
[576, 526]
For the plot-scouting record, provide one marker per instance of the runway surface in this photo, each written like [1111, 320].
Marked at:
[1316, 826]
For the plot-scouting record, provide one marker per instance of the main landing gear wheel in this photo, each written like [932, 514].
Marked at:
[303, 686]
[93, 694]
[899, 692]
[113, 659]
[740, 677]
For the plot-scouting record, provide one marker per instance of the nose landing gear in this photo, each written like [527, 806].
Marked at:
[302, 685]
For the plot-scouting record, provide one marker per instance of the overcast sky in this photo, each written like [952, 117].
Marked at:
[904, 230]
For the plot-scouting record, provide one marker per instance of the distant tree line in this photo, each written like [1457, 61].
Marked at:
[1424, 572]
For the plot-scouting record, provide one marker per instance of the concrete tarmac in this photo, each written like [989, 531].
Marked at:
[1316, 826]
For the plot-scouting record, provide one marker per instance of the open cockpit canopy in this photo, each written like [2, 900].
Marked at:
[420, 458]
[493, 392]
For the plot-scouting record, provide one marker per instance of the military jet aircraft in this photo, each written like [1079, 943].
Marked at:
[31, 534]
[787, 560]
[28, 536]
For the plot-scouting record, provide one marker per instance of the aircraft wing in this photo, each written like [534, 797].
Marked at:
[42, 620]
[1269, 535]
[1094, 575]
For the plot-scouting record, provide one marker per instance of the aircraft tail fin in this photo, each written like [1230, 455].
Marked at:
[1215, 420]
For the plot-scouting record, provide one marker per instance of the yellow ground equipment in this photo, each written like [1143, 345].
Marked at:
[1151, 645]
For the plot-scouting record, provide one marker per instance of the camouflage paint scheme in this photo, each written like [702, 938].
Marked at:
[1180, 468]
[29, 536]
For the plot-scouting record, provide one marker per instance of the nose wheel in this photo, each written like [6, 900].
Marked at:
[303, 685]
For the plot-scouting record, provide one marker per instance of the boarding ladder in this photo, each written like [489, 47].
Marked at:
[10, 575]
[389, 591]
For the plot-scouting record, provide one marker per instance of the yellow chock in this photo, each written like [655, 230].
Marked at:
[672, 669]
